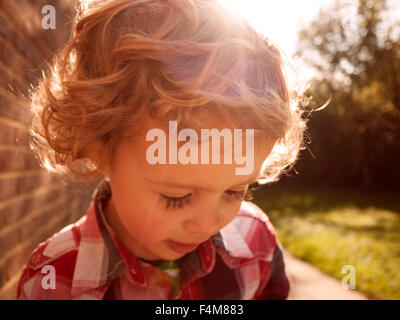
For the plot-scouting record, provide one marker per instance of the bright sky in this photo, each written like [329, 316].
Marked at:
[280, 20]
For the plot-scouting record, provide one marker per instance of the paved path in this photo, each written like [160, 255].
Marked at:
[309, 283]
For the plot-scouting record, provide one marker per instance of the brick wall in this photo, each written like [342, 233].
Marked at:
[34, 204]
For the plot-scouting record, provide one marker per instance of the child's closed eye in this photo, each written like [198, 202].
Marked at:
[180, 202]
[176, 202]
[246, 194]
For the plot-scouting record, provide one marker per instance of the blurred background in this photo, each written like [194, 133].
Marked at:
[34, 204]
[339, 206]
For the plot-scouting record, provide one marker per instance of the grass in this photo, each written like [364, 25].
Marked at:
[333, 228]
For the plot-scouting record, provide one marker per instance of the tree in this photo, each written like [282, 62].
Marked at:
[356, 52]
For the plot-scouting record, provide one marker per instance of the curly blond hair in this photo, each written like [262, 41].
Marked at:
[128, 59]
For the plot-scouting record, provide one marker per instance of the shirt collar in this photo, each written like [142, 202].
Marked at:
[102, 256]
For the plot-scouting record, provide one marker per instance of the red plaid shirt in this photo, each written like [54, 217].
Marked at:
[243, 261]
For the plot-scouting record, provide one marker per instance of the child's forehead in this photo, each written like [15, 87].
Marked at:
[200, 182]
[132, 158]
[205, 127]
[209, 177]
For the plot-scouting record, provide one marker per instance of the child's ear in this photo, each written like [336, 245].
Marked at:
[97, 155]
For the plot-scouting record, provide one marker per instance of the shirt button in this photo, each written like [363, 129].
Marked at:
[133, 271]
[35, 258]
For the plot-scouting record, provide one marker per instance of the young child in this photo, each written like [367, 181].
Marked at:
[165, 222]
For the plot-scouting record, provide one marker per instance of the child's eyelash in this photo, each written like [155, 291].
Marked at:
[245, 194]
[176, 203]
[252, 187]
[180, 202]
[238, 195]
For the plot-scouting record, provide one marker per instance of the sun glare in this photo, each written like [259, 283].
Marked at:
[279, 21]
[266, 16]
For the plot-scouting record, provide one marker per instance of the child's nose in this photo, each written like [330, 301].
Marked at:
[204, 223]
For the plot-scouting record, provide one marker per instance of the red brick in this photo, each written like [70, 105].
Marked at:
[16, 160]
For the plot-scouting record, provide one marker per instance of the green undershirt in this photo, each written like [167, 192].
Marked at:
[172, 269]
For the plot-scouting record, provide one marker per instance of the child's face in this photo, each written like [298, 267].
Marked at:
[146, 221]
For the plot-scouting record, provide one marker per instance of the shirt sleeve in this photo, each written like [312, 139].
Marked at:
[22, 293]
[37, 283]
[278, 283]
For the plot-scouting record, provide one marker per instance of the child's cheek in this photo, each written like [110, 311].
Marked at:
[149, 227]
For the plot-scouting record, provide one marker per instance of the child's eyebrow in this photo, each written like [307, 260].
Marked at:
[192, 186]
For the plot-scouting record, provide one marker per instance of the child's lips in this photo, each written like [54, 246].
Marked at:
[182, 247]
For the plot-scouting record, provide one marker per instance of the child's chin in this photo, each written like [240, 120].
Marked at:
[174, 255]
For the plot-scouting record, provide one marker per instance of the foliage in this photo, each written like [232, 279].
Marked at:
[356, 52]
[331, 228]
